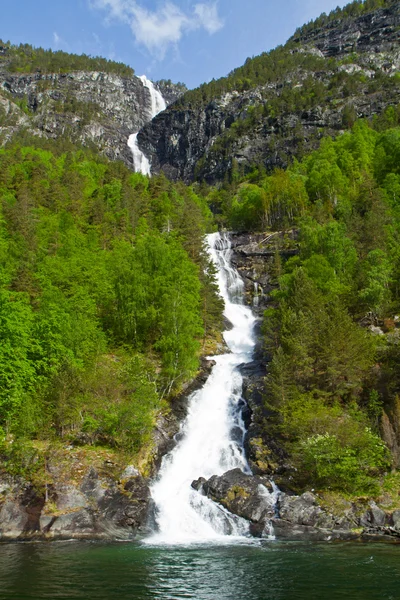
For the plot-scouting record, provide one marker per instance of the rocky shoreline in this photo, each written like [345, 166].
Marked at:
[294, 518]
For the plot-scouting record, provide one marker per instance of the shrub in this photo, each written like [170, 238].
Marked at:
[347, 467]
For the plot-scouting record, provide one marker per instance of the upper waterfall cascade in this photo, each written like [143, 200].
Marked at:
[213, 432]
[140, 161]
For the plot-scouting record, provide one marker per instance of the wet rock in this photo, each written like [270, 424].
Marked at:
[20, 511]
[166, 433]
[303, 510]
[284, 530]
[100, 508]
[198, 484]
[302, 517]
[243, 495]
[13, 519]
[92, 486]
[78, 524]
[69, 497]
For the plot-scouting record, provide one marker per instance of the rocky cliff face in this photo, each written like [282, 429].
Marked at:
[89, 108]
[356, 60]
[78, 504]
[254, 256]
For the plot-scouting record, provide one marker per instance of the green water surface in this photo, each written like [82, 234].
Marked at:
[258, 571]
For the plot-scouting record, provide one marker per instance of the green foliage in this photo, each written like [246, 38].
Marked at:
[127, 422]
[330, 379]
[17, 372]
[20, 458]
[333, 447]
[350, 468]
[275, 202]
[96, 262]
[321, 348]
[156, 301]
[27, 59]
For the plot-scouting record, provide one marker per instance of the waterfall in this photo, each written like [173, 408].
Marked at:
[157, 101]
[213, 432]
[140, 160]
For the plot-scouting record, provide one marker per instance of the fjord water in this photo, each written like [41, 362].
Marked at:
[213, 432]
[140, 161]
[262, 571]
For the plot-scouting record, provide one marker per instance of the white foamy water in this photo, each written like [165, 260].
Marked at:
[213, 433]
[140, 161]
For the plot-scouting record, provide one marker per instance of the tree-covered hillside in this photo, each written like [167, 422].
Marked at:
[24, 58]
[270, 67]
[332, 329]
[106, 297]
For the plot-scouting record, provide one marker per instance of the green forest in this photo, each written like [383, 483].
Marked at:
[24, 58]
[107, 298]
[332, 330]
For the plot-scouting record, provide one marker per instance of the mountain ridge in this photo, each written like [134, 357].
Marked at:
[280, 104]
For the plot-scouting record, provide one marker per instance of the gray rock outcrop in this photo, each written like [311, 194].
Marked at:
[99, 508]
[86, 107]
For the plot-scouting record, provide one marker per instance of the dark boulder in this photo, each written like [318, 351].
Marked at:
[246, 496]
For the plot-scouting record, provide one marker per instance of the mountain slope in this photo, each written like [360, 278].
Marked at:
[88, 101]
[280, 104]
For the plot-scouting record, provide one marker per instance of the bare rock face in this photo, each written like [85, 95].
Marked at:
[89, 108]
[286, 517]
[289, 517]
[20, 510]
[254, 256]
[191, 140]
[302, 516]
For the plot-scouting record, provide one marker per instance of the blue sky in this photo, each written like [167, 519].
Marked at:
[183, 40]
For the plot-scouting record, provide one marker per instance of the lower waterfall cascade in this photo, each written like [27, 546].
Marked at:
[213, 433]
[140, 161]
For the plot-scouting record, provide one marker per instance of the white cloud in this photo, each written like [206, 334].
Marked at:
[158, 30]
[208, 17]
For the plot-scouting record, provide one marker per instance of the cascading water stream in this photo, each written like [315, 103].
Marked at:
[140, 161]
[213, 432]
